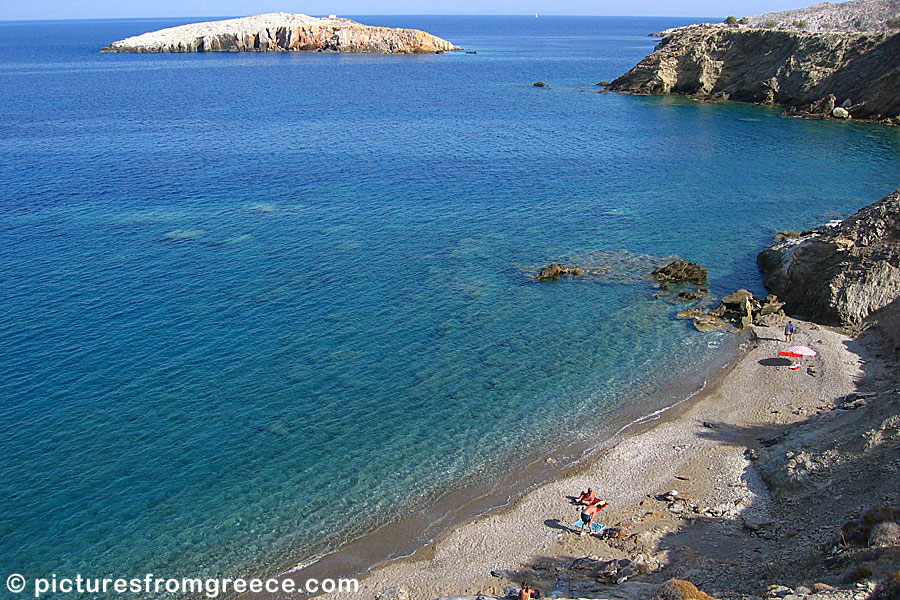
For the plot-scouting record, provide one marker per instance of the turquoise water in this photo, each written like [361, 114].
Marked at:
[242, 292]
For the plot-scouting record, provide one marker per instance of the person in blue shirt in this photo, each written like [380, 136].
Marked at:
[789, 330]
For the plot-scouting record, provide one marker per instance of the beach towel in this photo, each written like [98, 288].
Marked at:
[597, 527]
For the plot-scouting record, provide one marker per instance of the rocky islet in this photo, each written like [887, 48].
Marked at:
[284, 32]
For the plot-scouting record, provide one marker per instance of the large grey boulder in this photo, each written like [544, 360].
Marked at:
[839, 274]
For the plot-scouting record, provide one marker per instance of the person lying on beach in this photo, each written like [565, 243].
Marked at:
[587, 498]
[588, 514]
[527, 592]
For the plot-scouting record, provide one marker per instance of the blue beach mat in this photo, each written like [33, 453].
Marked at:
[597, 527]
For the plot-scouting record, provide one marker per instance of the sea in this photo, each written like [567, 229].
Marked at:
[256, 307]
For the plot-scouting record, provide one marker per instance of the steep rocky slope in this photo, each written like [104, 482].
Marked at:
[856, 15]
[808, 72]
[281, 32]
[840, 274]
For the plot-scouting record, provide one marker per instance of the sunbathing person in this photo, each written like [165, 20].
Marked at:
[527, 592]
[587, 498]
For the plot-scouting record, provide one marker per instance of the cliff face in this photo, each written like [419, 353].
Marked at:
[808, 72]
[283, 32]
[840, 274]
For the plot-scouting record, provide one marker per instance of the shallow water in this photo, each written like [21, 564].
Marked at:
[242, 293]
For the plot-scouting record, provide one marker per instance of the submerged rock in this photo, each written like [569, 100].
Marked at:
[540, 84]
[688, 295]
[681, 271]
[707, 323]
[556, 270]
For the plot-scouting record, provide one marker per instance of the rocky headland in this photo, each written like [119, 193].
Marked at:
[845, 273]
[284, 32]
[822, 73]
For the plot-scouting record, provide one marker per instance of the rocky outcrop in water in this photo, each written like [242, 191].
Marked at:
[843, 273]
[741, 309]
[810, 73]
[681, 271]
[556, 270]
[284, 32]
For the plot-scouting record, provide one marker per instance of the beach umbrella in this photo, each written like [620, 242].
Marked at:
[802, 350]
[791, 354]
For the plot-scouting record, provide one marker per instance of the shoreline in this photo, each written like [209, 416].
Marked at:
[675, 451]
[411, 537]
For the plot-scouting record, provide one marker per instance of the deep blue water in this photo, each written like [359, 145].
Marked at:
[241, 292]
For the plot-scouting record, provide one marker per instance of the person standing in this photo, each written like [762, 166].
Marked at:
[588, 514]
[789, 330]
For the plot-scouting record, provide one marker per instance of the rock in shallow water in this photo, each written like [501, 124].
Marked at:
[681, 271]
[556, 270]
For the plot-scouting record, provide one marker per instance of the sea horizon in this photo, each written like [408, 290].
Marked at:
[244, 291]
[354, 15]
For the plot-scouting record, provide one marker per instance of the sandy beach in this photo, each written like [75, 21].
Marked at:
[722, 520]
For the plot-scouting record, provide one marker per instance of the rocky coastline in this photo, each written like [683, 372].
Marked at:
[814, 74]
[284, 32]
[772, 484]
[844, 273]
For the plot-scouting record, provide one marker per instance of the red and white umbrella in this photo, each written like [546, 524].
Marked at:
[798, 351]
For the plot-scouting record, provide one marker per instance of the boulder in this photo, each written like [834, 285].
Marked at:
[858, 573]
[770, 319]
[707, 323]
[681, 271]
[678, 589]
[888, 588]
[840, 113]
[689, 296]
[556, 270]
[690, 313]
[839, 274]
[771, 308]
[735, 299]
